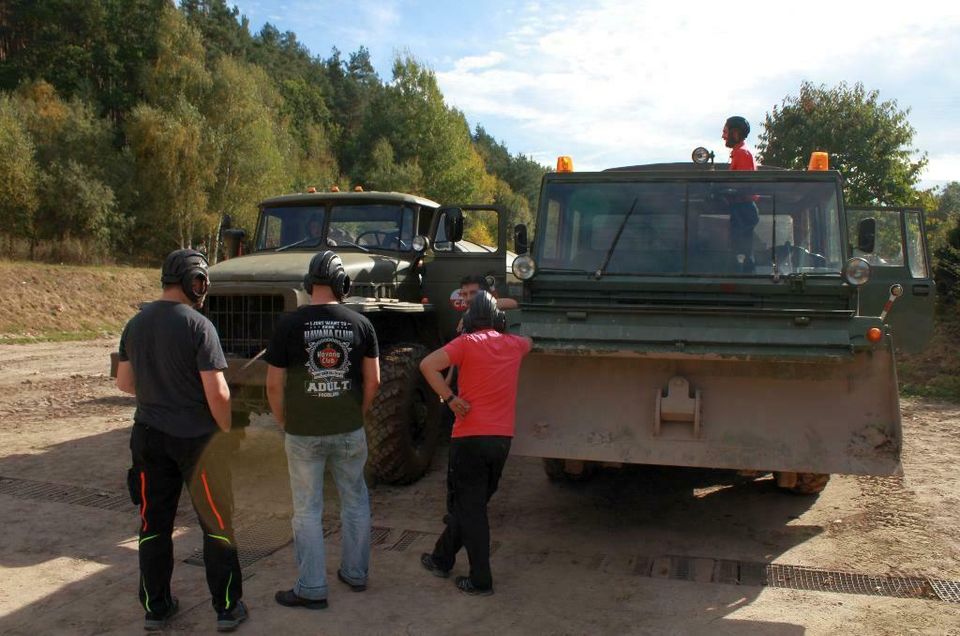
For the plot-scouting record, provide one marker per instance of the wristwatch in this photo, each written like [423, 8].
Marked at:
[452, 397]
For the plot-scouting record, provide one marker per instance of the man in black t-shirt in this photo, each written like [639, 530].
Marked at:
[322, 377]
[170, 359]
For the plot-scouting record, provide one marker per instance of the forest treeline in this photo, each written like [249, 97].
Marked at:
[130, 127]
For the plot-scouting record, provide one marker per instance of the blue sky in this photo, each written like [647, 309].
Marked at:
[618, 82]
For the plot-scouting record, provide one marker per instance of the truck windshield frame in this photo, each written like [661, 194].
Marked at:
[721, 226]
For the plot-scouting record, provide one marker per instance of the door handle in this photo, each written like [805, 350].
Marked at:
[921, 290]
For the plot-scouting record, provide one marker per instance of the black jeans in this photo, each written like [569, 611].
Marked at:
[163, 464]
[473, 474]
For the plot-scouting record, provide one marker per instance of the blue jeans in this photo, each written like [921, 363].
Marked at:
[307, 456]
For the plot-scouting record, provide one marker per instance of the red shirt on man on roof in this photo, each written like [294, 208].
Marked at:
[741, 158]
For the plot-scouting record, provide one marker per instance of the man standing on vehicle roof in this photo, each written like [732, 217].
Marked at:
[735, 132]
[323, 374]
[171, 360]
[489, 361]
[744, 214]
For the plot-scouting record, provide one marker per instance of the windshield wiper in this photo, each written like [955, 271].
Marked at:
[302, 241]
[616, 239]
[335, 243]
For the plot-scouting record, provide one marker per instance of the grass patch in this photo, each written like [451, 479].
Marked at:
[44, 303]
[935, 372]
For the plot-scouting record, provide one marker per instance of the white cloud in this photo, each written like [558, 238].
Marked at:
[474, 62]
[942, 168]
[625, 82]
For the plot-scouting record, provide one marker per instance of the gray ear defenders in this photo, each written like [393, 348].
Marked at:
[184, 267]
[326, 268]
[483, 313]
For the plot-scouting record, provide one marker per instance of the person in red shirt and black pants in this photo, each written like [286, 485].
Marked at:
[744, 215]
[489, 362]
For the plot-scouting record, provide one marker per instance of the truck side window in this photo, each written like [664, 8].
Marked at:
[916, 256]
[888, 250]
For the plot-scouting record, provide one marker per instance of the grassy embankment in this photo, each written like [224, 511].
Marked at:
[40, 302]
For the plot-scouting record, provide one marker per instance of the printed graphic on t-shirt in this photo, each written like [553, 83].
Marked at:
[328, 345]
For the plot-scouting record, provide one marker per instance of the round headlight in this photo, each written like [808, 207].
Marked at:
[856, 271]
[701, 155]
[524, 268]
[419, 243]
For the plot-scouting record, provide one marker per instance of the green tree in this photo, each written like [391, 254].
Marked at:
[94, 50]
[76, 204]
[869, 140]
[76, 161]
[353, 86]
[179, 70]
[251, 145]
[945, 242]
[410, 113]
[520, 173]
[173, 174]
[18, 174]
[224, 30]
[309, 121]
[386, 175]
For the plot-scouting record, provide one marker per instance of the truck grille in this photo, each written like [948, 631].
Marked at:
[245, 323]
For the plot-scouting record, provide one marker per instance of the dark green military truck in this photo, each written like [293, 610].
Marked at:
[687, 315]
[405, 256]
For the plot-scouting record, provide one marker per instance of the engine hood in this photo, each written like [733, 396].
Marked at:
[289, 267]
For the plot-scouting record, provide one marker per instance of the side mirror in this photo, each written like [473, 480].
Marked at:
[453, 224]
[233, 242]
[520, 244]
[867, 235]
[226, 222]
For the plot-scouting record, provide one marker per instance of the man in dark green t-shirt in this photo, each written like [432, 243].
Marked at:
[322, 376]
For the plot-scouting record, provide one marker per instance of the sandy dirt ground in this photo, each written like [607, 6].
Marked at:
[566, 557]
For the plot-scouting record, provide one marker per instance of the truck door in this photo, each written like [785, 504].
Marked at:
[899, 256]
[481, 251]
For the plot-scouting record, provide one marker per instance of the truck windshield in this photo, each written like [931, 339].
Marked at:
[370, 226]
[705, 228]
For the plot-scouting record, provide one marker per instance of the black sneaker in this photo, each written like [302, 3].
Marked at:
[465, 585]
[430, 565]
[153, 622]
[229, 620]
[289, 598]
[362, 587]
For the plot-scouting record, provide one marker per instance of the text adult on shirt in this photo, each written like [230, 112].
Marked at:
[323, 373]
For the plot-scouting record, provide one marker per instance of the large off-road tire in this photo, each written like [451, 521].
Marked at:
[403, 427]
[556, 471]
[809, 484]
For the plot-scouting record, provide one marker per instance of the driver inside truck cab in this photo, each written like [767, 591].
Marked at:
[315, 226]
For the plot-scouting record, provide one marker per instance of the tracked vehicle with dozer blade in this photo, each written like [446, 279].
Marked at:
[689, 315]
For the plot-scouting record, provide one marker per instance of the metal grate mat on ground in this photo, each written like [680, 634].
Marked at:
[263, 537]
[66, 494]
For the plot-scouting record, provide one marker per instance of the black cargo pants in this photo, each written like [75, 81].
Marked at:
[162, 465]
[473, 474]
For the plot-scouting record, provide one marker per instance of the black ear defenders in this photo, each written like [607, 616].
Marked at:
[483, 313]
[186, 267]
[326, 268]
